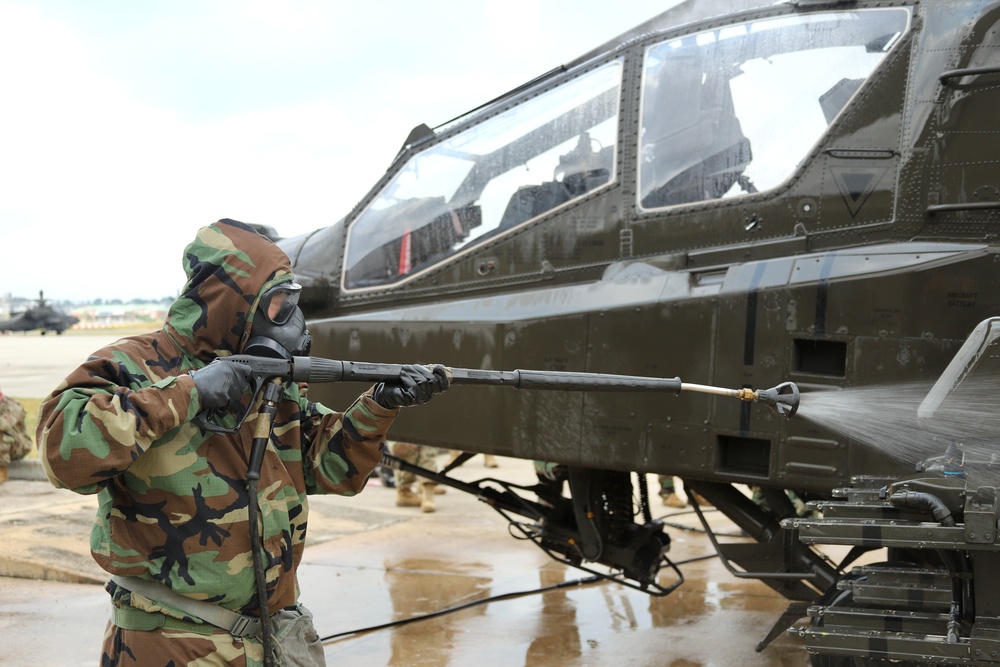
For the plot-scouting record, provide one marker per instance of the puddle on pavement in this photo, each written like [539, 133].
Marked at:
[450, 558]
[710, 620]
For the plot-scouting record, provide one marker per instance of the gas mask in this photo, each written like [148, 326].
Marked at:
[279, 327]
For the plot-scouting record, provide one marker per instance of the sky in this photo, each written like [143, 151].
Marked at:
[125, 126]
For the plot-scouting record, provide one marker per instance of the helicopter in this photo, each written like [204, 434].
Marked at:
[803, 191]
[40, 316]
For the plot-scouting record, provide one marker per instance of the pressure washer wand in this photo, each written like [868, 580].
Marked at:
[784, 398]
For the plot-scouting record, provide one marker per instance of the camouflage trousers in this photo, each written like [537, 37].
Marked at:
[425, 457]
[193, 645]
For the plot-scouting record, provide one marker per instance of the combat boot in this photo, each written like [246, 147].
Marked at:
[427, 500]
[405, 497]
[671, 499]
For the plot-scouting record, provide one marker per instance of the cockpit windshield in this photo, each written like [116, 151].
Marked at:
[488, 179]
[724, 112]
[734, 110]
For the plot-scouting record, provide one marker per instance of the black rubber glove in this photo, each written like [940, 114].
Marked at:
[416, 385]
[221, 383]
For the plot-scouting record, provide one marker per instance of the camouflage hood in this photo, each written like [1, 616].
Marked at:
[229, 266]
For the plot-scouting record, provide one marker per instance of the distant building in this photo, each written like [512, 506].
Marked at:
[108, 316]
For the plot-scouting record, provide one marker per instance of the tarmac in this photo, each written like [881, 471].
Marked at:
[368, 563]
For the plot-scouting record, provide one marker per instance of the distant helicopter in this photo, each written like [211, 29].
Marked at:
[736, 193]
[40, 316]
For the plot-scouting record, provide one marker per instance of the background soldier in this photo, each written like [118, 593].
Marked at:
[15, 442]
[423, 495]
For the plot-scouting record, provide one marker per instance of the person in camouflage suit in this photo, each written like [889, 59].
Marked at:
[173, 502]
[425, 457]
[15, 442]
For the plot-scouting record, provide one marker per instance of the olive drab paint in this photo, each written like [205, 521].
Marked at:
[801, 192]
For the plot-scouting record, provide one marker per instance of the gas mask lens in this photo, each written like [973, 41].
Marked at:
[279, 302]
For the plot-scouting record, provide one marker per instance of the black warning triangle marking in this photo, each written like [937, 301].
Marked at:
[856, 184]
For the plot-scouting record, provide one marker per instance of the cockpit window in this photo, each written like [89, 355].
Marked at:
[490, 178]
[733, 110]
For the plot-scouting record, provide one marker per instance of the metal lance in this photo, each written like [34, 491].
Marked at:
[783, 398]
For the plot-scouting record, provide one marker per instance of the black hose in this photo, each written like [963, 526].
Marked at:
[266, 634]
[442, 612]
[268, 408]
[647, 513]
[924, 502]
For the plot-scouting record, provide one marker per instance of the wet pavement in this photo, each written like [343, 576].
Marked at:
[369, 563]
[463, 553]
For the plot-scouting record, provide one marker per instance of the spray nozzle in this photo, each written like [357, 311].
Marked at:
[784, 398]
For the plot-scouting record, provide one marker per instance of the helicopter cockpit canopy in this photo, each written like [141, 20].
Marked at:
[727, 111]
[734, 110]
[489, 178]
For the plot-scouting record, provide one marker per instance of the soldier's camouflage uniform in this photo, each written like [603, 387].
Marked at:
[423, 456]
[14, 439]
[173, 500]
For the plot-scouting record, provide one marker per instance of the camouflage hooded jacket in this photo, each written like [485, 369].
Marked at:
[173, 498]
